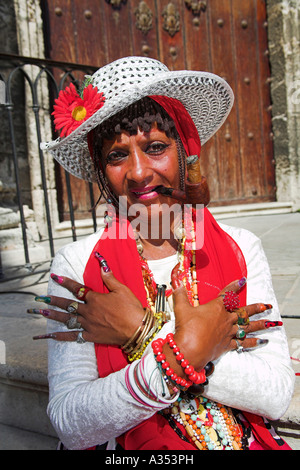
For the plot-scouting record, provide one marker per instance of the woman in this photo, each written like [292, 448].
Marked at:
[157, 351]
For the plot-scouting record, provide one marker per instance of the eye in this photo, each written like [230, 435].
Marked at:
[156, 148]
[115, 156]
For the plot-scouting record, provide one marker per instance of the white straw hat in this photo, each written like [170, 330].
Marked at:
[207, 98]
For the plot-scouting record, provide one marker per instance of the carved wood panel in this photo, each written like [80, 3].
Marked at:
[228, 38]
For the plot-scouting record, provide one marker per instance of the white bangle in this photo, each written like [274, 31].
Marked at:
[142, 395]
[154, 391]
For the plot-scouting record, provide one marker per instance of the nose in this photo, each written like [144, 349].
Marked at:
[138, 166]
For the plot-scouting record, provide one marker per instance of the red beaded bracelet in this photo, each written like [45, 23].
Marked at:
[193, 376]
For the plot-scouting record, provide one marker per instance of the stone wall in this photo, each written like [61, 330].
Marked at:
[9, 45]
[21, 33]
[284, 47]
[29, 29]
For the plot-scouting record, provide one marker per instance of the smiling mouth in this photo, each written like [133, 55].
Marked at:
[160, 189]
[141, 192]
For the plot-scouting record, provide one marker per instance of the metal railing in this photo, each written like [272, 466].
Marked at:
[57, 74]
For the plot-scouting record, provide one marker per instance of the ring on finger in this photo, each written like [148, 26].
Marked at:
[240, 348]
[73, 307]
[73, 323]
[240, 334]
[231, 301]
[82, 292]
[243, 318]
[80, 339]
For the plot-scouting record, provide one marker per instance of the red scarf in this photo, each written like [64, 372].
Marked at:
[219, 262]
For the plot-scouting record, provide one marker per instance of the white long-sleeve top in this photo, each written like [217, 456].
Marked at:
[86, 410]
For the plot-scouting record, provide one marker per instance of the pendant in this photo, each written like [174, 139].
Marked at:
[160, 304]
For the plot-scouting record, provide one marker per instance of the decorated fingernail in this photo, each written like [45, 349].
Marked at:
[262, 342]
[272, 324]
[56, 278]
[102, 261]
[268, 306]
[48, 336]
[264, 307]
[33, 310]
[259, 343]
[43, 298]
[242, 282]
[45, 313]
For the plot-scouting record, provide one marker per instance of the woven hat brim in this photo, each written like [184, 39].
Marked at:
[207, 98]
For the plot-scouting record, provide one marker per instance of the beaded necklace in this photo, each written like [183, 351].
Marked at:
[186, 272]
[208, 425]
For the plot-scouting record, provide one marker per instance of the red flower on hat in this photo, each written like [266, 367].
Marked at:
[71, 110]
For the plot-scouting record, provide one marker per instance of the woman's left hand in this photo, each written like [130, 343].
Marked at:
[205, 332]
[109, 318]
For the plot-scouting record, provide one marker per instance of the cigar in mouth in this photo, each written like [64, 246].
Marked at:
[194, 177]
[171, 192]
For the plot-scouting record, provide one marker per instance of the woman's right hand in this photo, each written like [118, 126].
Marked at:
[205, 332]
[108, 318]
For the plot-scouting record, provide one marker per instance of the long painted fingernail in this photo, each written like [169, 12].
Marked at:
[264, 307]
[56, 278]
[268, 306]
[102, 261]
[49, 336]
[33, 310]
[261, 342]
[242, 282]
[271, 324]
[43, 298]
[45, 313]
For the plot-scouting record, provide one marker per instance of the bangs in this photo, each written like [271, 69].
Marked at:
[140, 115]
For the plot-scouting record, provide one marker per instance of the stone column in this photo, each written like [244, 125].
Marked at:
[284, 40]
[31, 44]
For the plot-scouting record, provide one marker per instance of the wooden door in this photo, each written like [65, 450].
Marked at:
[226, 37]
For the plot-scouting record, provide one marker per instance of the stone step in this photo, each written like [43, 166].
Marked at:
[23, 401]
[13, 438]
[23, 363]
